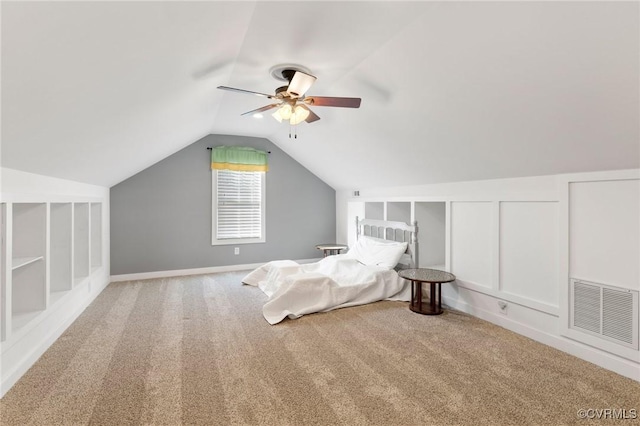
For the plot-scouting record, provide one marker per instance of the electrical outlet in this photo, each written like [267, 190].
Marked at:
[503, 307]
[236, 250]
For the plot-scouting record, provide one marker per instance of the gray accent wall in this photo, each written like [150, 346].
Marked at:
[161, 217]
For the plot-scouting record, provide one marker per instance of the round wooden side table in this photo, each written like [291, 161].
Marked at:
[331, 249]
[434, 278]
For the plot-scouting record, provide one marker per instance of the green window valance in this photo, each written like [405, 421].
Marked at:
[239, 158]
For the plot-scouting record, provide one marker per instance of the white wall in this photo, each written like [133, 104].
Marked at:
[21, 348]
[603, 252]
[520, 240]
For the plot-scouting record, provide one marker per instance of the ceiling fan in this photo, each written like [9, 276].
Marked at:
[291, 101]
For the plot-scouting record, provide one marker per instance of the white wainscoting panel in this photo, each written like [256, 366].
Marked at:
[603, 232]
[529, 250]
[472, 235]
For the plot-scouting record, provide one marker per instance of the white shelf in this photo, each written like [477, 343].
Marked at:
[21, 319]
[56, 295]
[19, 262]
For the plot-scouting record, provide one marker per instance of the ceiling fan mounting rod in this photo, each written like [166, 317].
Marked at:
[285, 72]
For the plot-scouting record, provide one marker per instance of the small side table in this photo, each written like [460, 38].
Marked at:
[331, 249]
[435, 278]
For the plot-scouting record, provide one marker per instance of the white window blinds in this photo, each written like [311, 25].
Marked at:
[239, 201]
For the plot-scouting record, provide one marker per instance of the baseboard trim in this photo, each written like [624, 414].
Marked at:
[194, 271]
[605, 360]
[38, 350]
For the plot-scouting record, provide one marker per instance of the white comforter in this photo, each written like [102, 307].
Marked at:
[334, 282]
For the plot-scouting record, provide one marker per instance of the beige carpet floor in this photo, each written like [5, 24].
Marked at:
[197, 350]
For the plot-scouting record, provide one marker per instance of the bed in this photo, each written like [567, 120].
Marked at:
[366, 273]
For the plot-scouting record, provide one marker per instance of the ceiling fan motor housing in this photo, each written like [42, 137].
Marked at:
[281, 89]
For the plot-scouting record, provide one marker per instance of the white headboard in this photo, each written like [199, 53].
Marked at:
[392, 231]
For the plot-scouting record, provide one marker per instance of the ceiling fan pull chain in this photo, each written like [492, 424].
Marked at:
[295, 131]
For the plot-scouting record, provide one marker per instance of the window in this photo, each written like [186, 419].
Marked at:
[238, 207]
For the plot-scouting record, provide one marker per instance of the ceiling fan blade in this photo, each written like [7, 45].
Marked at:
[264, 108]
[233, 89]
[312, 115]
[300, 83]
[333, 102]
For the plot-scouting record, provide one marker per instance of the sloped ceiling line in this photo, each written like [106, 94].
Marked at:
[451, 91]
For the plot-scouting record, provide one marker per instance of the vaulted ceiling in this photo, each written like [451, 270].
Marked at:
[451, 91]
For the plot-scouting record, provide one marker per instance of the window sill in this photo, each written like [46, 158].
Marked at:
[238, 241]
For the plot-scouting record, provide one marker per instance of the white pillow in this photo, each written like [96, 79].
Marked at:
[372, 252]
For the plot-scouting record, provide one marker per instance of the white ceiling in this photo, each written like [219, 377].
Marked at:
[451, 91]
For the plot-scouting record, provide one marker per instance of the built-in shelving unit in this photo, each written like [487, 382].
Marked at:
[28, 268]
[80, 242]
[53, 263]
[47, 249]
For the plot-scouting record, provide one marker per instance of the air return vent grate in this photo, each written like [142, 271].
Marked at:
[586, 307]
[617, 315]
[605, 311]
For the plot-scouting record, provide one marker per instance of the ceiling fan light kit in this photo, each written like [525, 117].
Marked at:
[282, 113]
[300, 114]
[292, 105]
